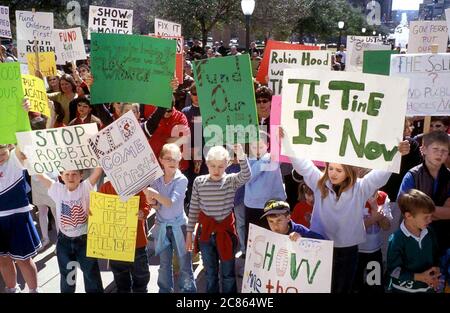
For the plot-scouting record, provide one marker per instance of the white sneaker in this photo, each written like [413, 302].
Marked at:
[12, 290]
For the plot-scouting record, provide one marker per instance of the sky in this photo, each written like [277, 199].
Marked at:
[406, 4]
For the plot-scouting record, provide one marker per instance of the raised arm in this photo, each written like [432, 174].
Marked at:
[95, 175]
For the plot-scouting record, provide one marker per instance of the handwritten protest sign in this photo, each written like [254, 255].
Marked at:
[125, 155]
[424, 34]
[110, 20]
[47, 63]
[112, 227]
[227, 98]
[34, 28]
[447, 17]
[356, 45]
[54, 150]
[263, 70]
[341, 117]
[5, 27]
[179, 56]
[132, 68]
[13, 117]
[429, 89]
[401, 35]
[378, 62]
[165, 28]
[282, 59]
[34, 90]
[69, 45]
[275, 264]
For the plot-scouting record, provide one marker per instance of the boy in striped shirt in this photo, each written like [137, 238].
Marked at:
[212, 203]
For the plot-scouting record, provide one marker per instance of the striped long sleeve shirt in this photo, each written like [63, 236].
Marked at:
[216, 198]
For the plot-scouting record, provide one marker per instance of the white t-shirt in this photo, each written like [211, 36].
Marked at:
[72, 207]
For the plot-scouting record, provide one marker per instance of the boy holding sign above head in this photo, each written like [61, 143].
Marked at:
[278, 217]
[72, 209]
[166, 195]
[338, 198]
[212, 203]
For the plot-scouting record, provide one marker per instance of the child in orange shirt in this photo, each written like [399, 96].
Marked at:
[303, 209]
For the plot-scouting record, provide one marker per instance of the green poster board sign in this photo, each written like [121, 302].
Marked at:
[227, 98]
[13, 117]
[378, 62]
[132, 68]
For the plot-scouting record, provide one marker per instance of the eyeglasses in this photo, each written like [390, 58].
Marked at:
[262, 101]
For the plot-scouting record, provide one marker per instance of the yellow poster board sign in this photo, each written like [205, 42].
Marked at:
[47, 63]
[112, 227]
[34, 89]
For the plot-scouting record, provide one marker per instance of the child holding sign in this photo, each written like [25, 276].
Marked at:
[72, 207]
[169, 231]
[211, 206]
[337, 215]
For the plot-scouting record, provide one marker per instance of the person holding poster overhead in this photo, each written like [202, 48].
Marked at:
[337, 215]
[166, 195]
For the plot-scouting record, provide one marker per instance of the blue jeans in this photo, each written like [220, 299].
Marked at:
[165, 273]
[132, 276]
[210, 258]
[239, 213]
[71, 252]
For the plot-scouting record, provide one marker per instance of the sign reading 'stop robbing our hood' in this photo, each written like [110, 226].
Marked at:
[349, 118]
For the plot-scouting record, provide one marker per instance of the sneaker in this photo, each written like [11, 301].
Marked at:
[12, 290]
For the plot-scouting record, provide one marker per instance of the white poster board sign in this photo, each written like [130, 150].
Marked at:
[424, 34]
[356, 45]
[342, 117]
[33, 27]
[165, 28]
[282, 59]
[69, 45]
[109, 20]
[126, 156]
[275, 264]
[5, 26]
[429, 88]
[54, 150]
[447, 17]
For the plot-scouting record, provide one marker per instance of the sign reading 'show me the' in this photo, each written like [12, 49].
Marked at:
[109, 20]
[429, 88]
[69, 45]
[54, 150]
[341, 117]
[165, 28]
[5, 27]
[275, 264]
[424, 34]
[34, 31]
[126, 156]
[282, 59]
[356, 45]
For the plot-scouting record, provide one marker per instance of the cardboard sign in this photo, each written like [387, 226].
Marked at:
[424, 34]
[34, 32]
[54, 150]
[429, 88]
[132, 68]
[356, 45]
[226, 98]
[112, 227]
[109, 20]
[341, 117]
[5, 26]
[378, 62]
[47, 63]
[126, 156]
[282, 59]
[34, 90]
[275, 264]
[13, 117]
[165, 28]
[263, 70]
[69, 45]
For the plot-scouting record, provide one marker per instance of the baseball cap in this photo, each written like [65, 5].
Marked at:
[276, 207]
